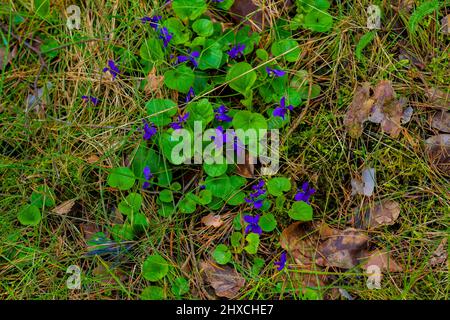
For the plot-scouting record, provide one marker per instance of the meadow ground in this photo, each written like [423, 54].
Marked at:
[70, 146]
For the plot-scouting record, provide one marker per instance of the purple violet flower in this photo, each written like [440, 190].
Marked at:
[236, 51]
[112, 68]
[253, 197]
[190, 95]
[252, 224]
[147, 175]
[92, 99]
[221, 114]
[282, 109]
[149, 130]
[153, 21]
[165, 35]
[282, 263]
[305, 194]
[275, 72]
[191, 57]
[180, 121]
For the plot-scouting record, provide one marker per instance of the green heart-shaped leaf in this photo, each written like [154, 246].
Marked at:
[155, 268]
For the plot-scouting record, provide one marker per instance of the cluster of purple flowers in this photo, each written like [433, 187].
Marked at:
[252, 225]
[147, 175]
[164, 33]
[221, 114]
[282, 109]
[112, 68]
[254, 197]
[180, 121]
[275, 72]
[282, 263]
[149, 130]
[92, 99]
[191, 57]
[236, 51]
[305, 194]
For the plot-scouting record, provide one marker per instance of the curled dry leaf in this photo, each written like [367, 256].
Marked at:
[65, 207]
[438, 99]
[382, 107]
[440, 255]
[247, 169]
[154, 82]
[383, 260]
[383, 213]
[441, 121]
[225, 280]
[359, 110]
[212, 220]
[366, 186]
[438, 150]
[343, 250]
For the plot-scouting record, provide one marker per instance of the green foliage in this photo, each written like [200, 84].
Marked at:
[29, 215]
[155, 268]
[161, 111]
[241, 77]
[166, 195]
[289, 49]
[421, 12]
[276, 186]
[180, 286]
[222, 254]
[267, 222]
[131, 204]
[363, 42]
[151, 50]
[189, 9]
[42, 8]
[252, 243]
[302, 211]
[153, 293]
[121, 178]
[203, 27]
[43, 196]
[180, 79]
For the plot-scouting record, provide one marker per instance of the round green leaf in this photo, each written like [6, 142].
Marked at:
[220, 187]
[187, 205]
[304, 92]
[276, 186]
[215, 169]
[153, 293]
[166, 195]
[241, 77]
[140, 221]
[236, 198]
[236, 239]
[160, 111]
[201, 111]
[122, 232]
[189, 9]
[180, 286]
[203, 27]
[155, 268]
[245, 120]
[121, 178]
[302, 211]
[29, 215]
[205, 197]
[318, 20]
[42, 8]
[180, 79]
[210, 58]
[222, 254]
[267, 222]
[280, 47]
[132, 203]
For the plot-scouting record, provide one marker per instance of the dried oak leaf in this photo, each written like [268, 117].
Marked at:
[383, 260]
[440, 255]
[359, 110]
[441, 121]
[343, 250]
[212, 220]
[225, 280]
[438, 150]
[383, 213]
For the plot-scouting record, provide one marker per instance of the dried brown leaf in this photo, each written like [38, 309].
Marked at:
[440, 255]
[154, 82]
[212, 220]
[247, 169]
[383, 213]
[383, 260]
[248, 12]
[343, 250]
[225, 280]
[438, 150]
[439, 99]
[65, 207]
[441, 121]
[359, 110]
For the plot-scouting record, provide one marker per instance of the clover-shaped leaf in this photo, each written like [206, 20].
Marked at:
[155, 268]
